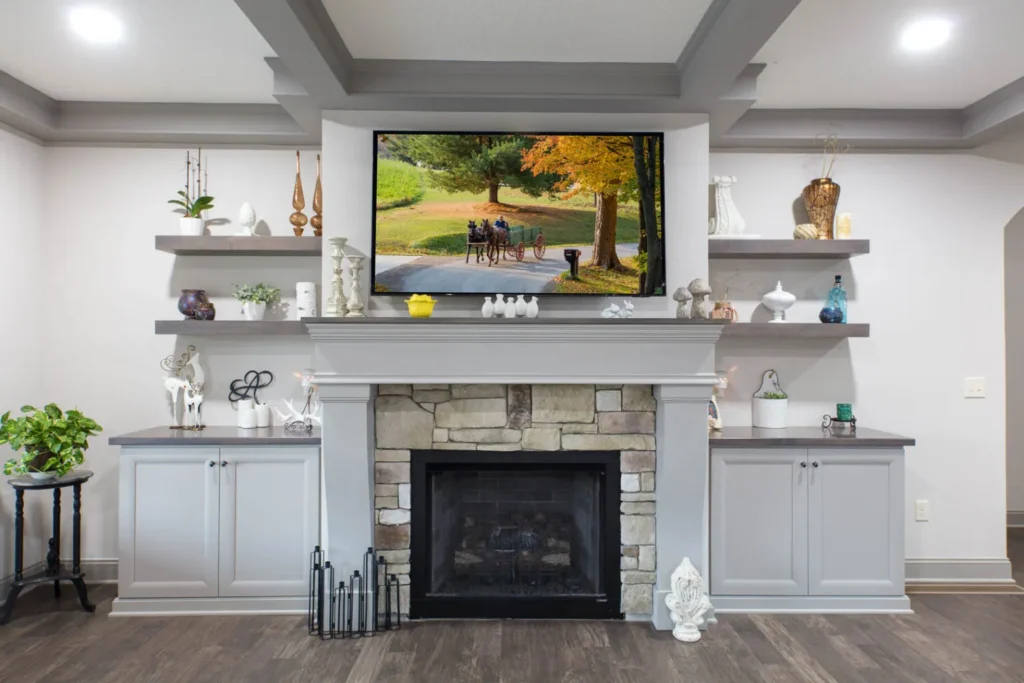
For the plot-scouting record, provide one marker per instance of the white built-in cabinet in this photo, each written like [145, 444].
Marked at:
[795, 528]
[216, 528]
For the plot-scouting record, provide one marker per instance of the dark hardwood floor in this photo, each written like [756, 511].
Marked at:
[951, 638]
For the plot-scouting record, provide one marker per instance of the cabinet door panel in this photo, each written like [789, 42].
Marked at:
[758, 522]
[168, 523]
[269, 520]
[856, 522]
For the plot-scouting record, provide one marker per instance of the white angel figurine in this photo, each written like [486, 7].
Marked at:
[688, 602]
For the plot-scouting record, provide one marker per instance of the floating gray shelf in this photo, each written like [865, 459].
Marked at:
[210, 245]
[231, 327]
[796, 330]
[786, 249]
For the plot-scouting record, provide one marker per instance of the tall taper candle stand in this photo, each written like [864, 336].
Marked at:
[336, 307]
[355, 294]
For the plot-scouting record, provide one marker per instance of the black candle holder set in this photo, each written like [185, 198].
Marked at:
[352, 610]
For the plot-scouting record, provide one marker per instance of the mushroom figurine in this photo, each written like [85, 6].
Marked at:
[682, 297]
[700, 291]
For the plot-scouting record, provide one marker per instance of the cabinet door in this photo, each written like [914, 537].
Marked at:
[759, 521]
[269, 519]
[168, 522]
[856, 522]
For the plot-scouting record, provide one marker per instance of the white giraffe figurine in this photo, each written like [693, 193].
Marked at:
[687, 602]
[173, 385]
[193, 402]
[176, 384]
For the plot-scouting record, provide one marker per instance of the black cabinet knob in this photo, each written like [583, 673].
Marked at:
[815, 463]
[803, 464]
[224, 463]
[210, 463]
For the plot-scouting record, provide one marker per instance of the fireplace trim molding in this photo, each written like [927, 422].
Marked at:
[677, 357]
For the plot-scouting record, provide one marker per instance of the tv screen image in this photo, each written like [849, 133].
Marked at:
[490, 213]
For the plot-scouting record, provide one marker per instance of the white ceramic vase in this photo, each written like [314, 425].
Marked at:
[499, 305]
[193, 227]
[253, 310]
[246, 415]
[727, 221]
[777, 301]
[532, 308]
[521, 305]
[305, 300]
[487, 310]
[770, 413]
[510, 308]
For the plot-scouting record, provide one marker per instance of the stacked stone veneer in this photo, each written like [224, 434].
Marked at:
[489, 417]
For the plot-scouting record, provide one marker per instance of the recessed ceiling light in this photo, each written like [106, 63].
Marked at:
[926, 35]
[96, 25]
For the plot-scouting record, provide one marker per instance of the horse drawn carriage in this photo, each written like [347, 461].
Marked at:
[503, 242]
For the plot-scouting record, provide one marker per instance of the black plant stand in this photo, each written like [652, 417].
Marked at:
[53, 571]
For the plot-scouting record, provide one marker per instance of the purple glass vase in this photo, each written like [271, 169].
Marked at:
[189, 301]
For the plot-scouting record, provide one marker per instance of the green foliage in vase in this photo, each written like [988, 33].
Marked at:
[52, 440]
[193, 208]
[774, 395]
[257, 294]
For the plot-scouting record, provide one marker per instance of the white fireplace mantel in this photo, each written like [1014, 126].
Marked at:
[659, 351]
[675, 356]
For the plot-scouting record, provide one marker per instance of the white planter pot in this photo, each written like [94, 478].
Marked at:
[262, 415]
[770, 413]
[192, 227]
[254, 311]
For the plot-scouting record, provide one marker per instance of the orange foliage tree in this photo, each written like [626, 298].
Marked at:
[601, 164]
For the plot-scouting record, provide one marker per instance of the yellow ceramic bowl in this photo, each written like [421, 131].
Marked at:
[420, 305]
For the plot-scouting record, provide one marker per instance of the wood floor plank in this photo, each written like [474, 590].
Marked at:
[950, 639]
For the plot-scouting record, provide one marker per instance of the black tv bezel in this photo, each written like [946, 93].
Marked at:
[373, 229]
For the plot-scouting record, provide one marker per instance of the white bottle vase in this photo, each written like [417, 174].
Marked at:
[770, 413]
[521, 305]
[487, 310]
[532, 308]
[305, 300]
[193, 227]
[777, 301]
[246, 415]
[510, 308]
[262, 415]
[499, 305]
[727, 221]
[253, 310]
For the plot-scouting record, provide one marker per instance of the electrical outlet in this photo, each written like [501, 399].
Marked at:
[921, 511]
[974, 387]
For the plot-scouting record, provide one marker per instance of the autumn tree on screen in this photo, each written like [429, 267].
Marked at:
[472, 162]
[602, 164]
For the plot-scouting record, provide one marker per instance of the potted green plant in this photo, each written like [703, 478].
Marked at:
[771, 403]
[194, 198]
[255, 298]
[54, 442]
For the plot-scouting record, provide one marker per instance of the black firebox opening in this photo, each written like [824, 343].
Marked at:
[515, 535]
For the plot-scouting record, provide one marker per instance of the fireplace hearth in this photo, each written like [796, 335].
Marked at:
[515, 535]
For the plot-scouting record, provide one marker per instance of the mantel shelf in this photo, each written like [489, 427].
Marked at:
[218, 245]
[786, 249]
[231, 327]
[796, 330]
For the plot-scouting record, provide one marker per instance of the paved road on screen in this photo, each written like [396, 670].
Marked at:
[452, 273]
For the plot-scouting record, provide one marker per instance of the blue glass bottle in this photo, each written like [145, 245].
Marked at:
[835, 305]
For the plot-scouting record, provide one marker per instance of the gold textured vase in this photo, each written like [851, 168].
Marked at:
[821, 198]
[317, 221]
[298, 219]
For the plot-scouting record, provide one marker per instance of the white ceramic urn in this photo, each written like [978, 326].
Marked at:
[777, 301]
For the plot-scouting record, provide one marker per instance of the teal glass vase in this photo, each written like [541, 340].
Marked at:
[835, 304]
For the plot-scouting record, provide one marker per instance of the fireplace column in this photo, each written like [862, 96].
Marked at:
[347, 452]
[682, 493]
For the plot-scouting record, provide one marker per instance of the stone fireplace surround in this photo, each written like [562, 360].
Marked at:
[542, 417]
[368, 365]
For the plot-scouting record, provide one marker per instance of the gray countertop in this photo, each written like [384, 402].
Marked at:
[464, 319]
[215, 436]
[752, 437]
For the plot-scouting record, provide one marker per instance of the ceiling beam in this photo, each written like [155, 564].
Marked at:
[862, 128]
[727, 39]
[995, 114]
[304, 38]
[25, 109]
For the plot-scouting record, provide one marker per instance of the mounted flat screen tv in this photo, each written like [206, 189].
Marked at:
[490, 213]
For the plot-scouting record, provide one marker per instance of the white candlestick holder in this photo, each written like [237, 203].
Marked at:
[355, 294]
[336, 307]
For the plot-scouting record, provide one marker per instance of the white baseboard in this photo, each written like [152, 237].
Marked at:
[993, 570]
[1015, 518]
[810, 604]
[191, 607]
